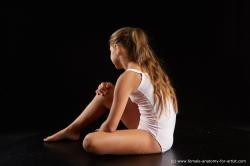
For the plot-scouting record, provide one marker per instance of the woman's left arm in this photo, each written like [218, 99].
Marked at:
[126, 83]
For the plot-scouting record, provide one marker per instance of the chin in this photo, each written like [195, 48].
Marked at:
[117, 67]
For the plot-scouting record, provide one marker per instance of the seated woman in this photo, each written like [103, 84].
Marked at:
[142, 98]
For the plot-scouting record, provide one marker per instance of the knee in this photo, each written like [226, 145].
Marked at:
[106, 100]
[89, 144]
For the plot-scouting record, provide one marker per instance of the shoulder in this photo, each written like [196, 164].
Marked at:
[130, 80]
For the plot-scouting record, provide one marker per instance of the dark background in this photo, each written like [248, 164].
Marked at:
[53, 59]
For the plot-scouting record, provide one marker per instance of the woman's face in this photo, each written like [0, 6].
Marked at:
[115, 57]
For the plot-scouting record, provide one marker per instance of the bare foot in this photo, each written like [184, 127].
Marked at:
[63, 134]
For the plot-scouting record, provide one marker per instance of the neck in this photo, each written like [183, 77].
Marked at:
[132, 65]
[126, 64]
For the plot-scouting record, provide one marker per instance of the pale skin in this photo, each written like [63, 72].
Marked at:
[107, 139]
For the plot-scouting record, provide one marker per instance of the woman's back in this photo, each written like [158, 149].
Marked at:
[162, 129]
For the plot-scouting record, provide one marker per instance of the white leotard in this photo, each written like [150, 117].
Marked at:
[161, 129]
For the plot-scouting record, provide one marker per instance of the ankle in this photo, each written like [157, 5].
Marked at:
[72, 129]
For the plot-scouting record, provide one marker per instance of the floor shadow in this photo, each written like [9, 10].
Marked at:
[73, 154]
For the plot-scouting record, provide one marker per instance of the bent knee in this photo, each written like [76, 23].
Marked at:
[106, 100]
[90, 145]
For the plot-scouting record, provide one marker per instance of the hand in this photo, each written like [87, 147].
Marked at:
[104, 127]
[104, 88]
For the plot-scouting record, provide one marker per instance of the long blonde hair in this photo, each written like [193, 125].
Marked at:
[135, 41]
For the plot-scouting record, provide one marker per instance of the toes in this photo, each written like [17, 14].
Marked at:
[47, 139]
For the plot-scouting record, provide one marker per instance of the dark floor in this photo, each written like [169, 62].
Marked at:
[192, 144]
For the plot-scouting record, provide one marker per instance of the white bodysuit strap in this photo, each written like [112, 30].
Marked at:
[135, 70]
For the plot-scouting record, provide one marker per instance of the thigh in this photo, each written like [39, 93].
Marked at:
[131, 115]
[131, 141]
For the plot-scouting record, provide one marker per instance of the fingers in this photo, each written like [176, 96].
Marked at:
[109, 85]
[101, 92]
[103, 88]
[106, 85]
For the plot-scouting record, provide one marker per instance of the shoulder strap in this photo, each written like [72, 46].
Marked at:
[135, 70]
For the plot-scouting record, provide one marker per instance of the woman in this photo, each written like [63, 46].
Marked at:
[142, 98]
